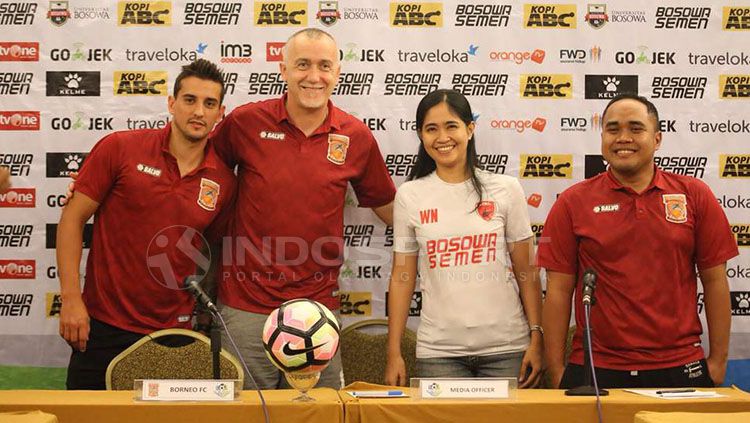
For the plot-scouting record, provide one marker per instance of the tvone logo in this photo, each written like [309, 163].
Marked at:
[279, 13]
[17, 269]
[421, 15]
[547, 86]
[549, 16]
[19, 52]
[734, 87]
[18, 198]
[19, 121]
[734, 166]
[735, 18]
[547, 166]
[148, 83]
[144, 13]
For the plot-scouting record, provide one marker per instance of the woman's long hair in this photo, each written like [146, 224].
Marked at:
[458, 105]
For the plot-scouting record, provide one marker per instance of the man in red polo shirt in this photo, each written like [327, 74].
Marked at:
[296, 155]
[644, 232]
[152, 193]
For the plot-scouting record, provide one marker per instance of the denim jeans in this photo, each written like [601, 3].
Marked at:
[496, 365]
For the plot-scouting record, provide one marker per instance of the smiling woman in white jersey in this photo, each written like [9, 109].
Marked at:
[455, 225]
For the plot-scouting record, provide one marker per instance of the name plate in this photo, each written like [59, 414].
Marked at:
[468, 388]
[185, 390]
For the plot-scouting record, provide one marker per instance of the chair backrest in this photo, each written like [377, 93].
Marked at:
[169, 354]
[363, 354]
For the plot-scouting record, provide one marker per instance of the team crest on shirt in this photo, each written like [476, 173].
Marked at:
[486, 210]
[337, 147]
[209, 194]
[675, 207]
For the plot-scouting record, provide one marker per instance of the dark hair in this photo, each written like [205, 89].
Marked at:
[650, 108]
[203, 69]
[458, 105]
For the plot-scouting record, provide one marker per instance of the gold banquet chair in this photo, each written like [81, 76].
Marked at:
[179, 354]
[364, 350]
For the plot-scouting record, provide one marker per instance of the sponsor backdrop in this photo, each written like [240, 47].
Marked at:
[537, 74]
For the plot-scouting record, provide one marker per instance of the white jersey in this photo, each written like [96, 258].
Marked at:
[469, 304]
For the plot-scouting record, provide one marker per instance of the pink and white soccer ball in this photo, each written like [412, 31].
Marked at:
[301, 336]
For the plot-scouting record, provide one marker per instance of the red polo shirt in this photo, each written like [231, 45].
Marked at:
[288, 227]
[146, 229]
[645, 248]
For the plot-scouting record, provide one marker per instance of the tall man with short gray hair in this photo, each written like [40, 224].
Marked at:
[296, 155]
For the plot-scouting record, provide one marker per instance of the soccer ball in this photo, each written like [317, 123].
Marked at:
[301, 336]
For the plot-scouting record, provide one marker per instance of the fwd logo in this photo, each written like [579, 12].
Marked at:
[573, 124]
[572, 55]
[428, 216]
[273, 52]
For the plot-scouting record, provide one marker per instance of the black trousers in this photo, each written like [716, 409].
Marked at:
[87, 370]
[693, 374]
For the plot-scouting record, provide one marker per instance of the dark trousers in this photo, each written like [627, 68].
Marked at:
[693, 374]
[87, 370]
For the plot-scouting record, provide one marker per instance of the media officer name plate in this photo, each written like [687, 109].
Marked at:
[186, 390]
[465, 388]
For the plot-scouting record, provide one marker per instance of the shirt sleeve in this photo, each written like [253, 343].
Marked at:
[224, 137]
[518, 225]
[100, 170]
[557, 249]
[404, 234]
[714, 242]
[373, 186]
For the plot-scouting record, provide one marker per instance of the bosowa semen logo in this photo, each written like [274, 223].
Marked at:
[177, 250]
[549, 16]
[415, 14]
[280, 13]
[144, 13]
[148, 83]
[735, 18]
[734, 87]
[546, 86]
[734, 166]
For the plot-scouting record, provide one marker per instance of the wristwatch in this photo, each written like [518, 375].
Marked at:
[536, 328]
